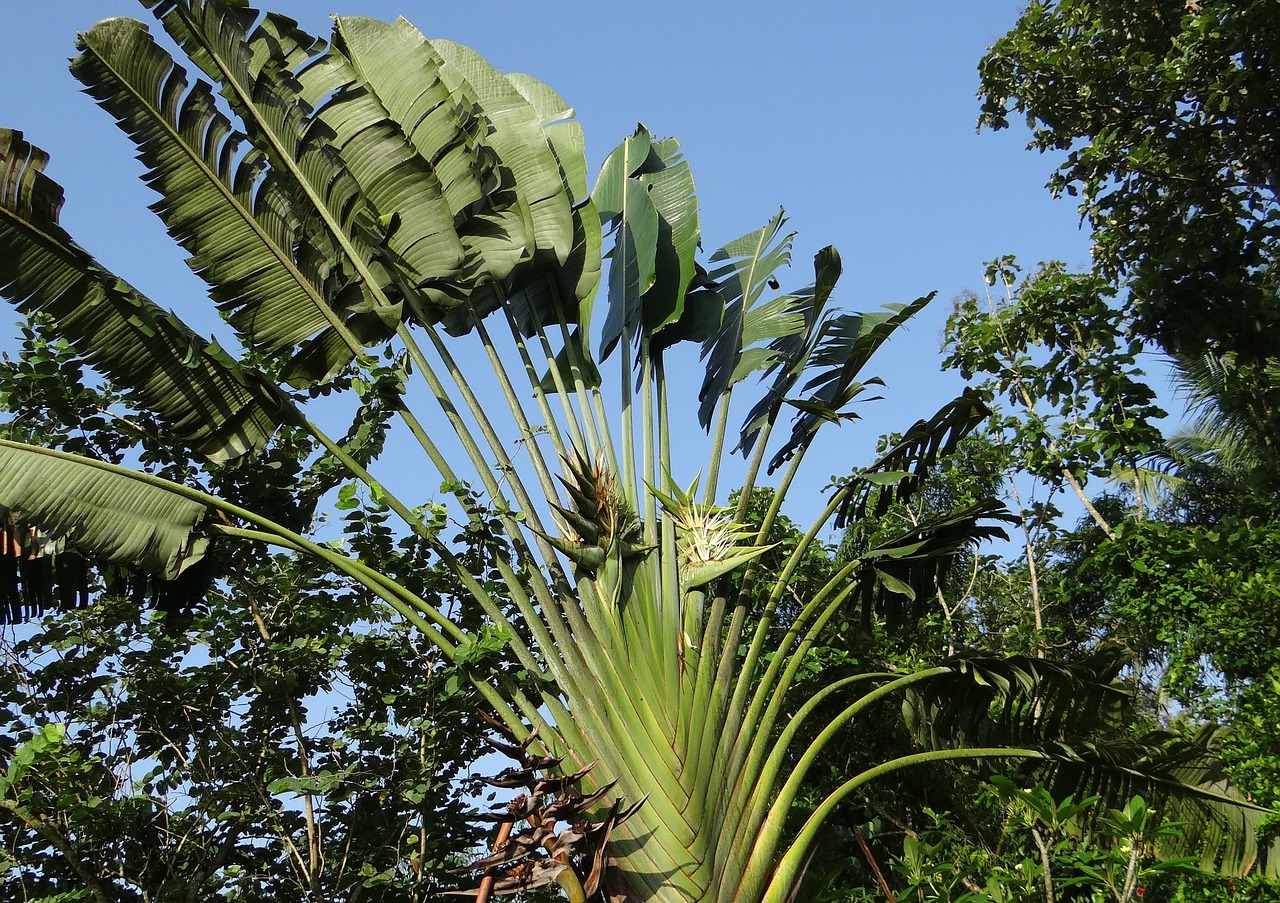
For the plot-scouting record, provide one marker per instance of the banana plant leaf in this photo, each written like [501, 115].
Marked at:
[220, 408]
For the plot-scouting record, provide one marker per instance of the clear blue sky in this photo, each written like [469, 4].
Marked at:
[858, 118]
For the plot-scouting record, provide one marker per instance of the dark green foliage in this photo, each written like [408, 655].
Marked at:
[1198, 887]
[227, 755]
[1058, 350]
[1166, 113]
[200, 752]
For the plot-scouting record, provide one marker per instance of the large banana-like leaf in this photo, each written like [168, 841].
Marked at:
[646, 183]
[375, 67]
[366, 252]
[794, 351]
[679, 232]
[579, 276]
[522, 145]
[420, 242]
[536, 294]
[113, 515]
[400, 68]
[746, 268]
[845, 344]
[251, 233]
[564, 133]
[233, 215]
[624, 204]
[222, 409]
[371, 136]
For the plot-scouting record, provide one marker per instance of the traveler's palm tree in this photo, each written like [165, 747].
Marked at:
[383, 191]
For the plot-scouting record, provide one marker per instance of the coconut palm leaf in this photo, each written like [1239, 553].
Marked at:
[1182, 774]
[1232, 407]
[1017, 700]
[222, 409]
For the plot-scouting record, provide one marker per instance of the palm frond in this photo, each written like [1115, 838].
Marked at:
[1017, 701]
[1183, 775]
[1074, 714]
[1231, 410]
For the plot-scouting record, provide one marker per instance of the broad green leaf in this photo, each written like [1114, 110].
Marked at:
[844, 345]
[747, 267]
[702, 314]
[564, 133]
[222, 409]
[794, 351]
[580, 275]
[338, 230]
[516, 135]
[623, 162]
[237, 220]
[632, 265]
[896, 586]
[625, 206]
[401, 69]
[679, 233]
[108, 513]
[422, 247]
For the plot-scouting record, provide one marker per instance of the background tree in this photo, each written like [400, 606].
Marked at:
[1165, 111]
[278, 736]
